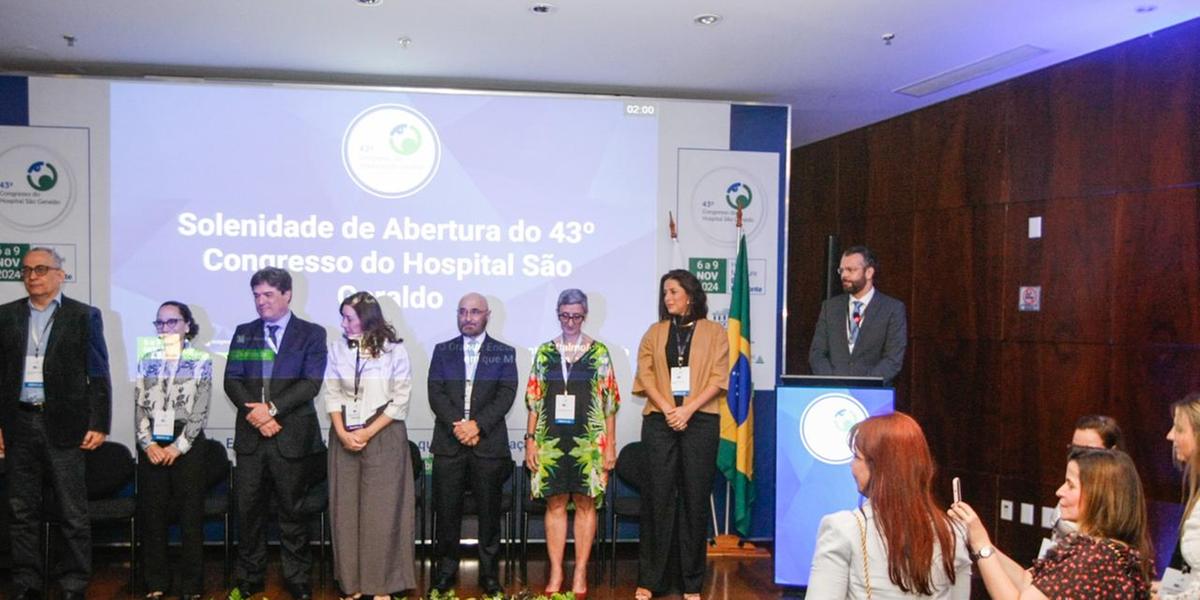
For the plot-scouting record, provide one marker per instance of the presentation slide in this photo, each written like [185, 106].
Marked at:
[416, 198]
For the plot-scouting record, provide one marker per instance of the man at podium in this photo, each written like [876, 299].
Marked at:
[862, 332]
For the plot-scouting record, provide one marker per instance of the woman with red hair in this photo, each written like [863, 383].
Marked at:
[899, 542]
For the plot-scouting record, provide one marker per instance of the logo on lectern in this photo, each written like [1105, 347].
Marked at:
[825, 427]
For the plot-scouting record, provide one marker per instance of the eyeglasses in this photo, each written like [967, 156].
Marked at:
[851, 270]
[40, 270]
[570, 318]
[474, 312]
[166, 323]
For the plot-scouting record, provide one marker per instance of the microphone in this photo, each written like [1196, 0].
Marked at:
[352, 342]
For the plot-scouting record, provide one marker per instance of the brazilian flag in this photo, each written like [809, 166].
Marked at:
[735, 455]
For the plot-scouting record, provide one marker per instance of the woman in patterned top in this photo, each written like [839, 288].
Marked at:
[571, 445]
[1109, 557]
[170, 404]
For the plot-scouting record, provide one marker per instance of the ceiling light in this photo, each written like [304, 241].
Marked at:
[404, 42]
[706, 19]
[369, 2]
[542, 9]
[1145, 8]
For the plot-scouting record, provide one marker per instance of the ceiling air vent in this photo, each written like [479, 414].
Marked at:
[976, 69]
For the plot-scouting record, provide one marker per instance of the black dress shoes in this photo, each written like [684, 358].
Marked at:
[245, 590]
[443, 583]
[298, 591]
[492, 587]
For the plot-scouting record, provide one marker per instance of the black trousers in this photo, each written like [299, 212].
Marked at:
[36, 465]
[452, 475]
[259, 476]
[681, 466]
[164, 492]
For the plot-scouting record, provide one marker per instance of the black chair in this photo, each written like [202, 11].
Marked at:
[109, 472]
[622, 498]
[418, 467]
[508, 515]
[532, 508]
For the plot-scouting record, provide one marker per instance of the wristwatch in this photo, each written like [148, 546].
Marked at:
[983, 553]
[530, 436]
[271, 410]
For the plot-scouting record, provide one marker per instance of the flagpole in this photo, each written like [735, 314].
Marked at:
[728, 544]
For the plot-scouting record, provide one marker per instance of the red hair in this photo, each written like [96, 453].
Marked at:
[900, 490]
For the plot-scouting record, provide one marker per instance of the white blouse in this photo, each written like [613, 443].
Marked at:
[384, 381]
[1189, 546]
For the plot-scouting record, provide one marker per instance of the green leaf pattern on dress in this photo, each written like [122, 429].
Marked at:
[589, 447]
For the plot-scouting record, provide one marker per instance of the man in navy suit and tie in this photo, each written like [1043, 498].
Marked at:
[275, 369]
[863, 332]
[472, 384]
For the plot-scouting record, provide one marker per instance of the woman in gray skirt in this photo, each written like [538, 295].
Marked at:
[367, 382]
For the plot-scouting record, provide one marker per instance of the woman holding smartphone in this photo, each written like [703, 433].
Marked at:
[855, 556]
[1109, 557]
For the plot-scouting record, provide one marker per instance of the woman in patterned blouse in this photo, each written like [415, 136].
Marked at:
[171, 399]
[572, 399]
[1109, 557]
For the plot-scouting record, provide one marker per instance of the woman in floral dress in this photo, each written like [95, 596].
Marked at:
[571, 441]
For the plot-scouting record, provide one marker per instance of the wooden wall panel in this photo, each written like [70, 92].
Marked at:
[940, 132]
[852, 186]
[1043, 389]
[1146, 380]
[1073, 262]
[891, 163]
[1158, 258]
[1158, 111]
[812, 214]
[955, 396]
[957, 273]
[1061, 134]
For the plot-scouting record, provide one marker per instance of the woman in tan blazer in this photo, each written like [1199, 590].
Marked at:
[683, 372]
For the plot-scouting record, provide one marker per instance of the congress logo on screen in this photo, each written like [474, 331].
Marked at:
[825, 427]
[391, 151]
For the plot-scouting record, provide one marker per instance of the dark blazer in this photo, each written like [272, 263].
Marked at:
[879, 351]
[295, 380]
[78, 384]
[492, 395]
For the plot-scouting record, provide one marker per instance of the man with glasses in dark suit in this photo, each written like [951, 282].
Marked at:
[55, 404]
[863, 332]
[472, 384]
